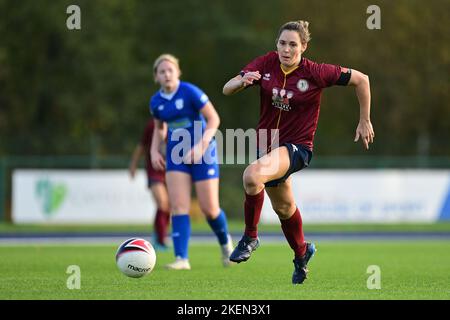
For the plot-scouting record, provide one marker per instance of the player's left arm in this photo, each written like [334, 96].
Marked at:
[212, 124]
[361, 83]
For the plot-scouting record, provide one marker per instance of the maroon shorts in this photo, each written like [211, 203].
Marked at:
[154, 176]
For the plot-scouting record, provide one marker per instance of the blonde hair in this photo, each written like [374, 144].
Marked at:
[166, 57]
[300, 26]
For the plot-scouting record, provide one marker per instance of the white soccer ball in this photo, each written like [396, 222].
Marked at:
[136, 257]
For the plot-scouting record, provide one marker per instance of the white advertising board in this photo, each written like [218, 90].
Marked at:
[379, 196]
[323, 196]
[81, 196]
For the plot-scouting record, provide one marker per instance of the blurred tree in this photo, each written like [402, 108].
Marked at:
[87, 91]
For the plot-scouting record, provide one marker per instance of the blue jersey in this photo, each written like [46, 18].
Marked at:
[181, 110]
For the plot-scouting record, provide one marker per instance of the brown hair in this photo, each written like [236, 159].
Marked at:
[300, 26]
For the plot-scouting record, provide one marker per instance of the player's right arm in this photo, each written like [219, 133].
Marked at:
[239, 82]
[159, 134]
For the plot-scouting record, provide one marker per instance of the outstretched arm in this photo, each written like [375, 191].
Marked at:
[362, 86]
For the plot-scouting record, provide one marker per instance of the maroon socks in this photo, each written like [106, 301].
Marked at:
[292, 227]
[293, 231]
[162, 221]
[253, 206]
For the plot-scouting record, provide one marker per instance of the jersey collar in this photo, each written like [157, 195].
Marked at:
[291, 70]
[169, 96]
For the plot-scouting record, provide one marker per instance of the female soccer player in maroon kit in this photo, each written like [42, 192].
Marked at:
[290, 90]
[156, 184]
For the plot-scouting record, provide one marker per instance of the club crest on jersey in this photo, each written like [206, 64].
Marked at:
[266, 76]
[302, 85]
[280, 98]
[179, 104]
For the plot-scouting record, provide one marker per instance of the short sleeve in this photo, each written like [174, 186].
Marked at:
[153, 110]
[198, 97]
[327, 74]
[256, 64]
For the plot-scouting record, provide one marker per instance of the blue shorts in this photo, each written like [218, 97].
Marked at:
[207, 169]
[299, 156]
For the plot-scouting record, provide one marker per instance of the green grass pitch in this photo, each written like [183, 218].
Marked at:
[409, 270]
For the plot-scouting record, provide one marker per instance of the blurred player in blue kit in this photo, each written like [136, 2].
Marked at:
[185, 113]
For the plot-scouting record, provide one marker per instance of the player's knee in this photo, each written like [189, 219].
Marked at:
[178, 207]
[210, 211]
[164, 205]
[162, 202]
[284, 209]
[251, 178]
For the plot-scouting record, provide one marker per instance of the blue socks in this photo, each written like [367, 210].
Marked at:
[181, 231]
[220, 227]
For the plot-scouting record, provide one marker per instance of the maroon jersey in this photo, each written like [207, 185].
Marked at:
[146, 142]
[291, 102]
